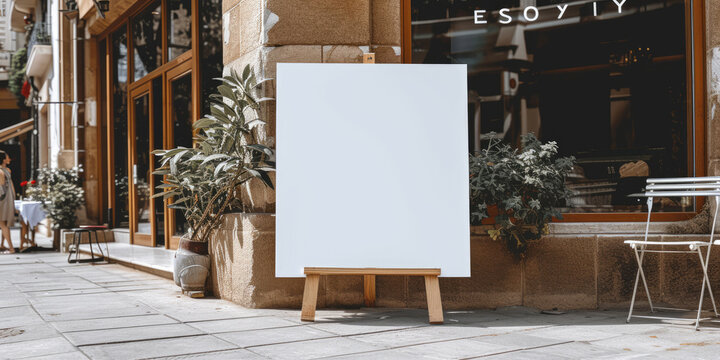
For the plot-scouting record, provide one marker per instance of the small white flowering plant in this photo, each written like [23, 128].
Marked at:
[61, 192]
[523, 187]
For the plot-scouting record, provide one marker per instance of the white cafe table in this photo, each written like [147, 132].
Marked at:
[31, 213]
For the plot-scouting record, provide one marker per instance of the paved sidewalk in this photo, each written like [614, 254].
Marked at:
[53, 310]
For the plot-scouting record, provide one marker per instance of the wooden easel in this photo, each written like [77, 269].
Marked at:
[312, 277]
[312, 281]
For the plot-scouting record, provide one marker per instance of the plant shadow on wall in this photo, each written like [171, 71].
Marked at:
[62, 195]
[205, 181]
[520, 189]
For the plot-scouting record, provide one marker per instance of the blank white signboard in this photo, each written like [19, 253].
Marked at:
[372, 167]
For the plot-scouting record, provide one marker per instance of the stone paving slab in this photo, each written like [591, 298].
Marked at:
[372, 325]
[313, 349]
[238, 354]
[75, 355]
[157, 348]
[455, 349]
[151, 332]
[53, 310]
[423, 335]
[33, 348]
[248, 323]
[113, 323]
[273, 336]
[27, 332]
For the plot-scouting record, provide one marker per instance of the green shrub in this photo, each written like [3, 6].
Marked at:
[17, 71]
[527, 186]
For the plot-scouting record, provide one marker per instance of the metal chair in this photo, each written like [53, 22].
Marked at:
[675, 187]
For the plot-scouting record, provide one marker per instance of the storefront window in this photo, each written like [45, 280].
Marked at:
[182, 119]
[166, 99]
[158, 144]
[210, 49]
[119, 127]
[147, 41]
[609, 83]
[179, 27]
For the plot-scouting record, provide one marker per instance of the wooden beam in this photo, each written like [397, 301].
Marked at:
[369, 271]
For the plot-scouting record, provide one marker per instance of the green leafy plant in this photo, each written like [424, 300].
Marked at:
[520, 188]
[61, 192]
[205, 181]
[17, 71]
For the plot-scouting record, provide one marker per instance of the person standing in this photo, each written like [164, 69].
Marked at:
[7, 201]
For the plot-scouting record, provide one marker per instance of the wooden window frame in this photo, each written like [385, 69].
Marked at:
[169, 70]
[697, 92]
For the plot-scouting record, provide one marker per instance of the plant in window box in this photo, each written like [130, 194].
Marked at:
[520, 189]
[204, 181]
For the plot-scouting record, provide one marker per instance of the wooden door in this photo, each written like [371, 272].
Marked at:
[145, 134]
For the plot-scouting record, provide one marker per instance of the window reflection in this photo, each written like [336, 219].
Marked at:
[119, 126]
[179, 27]
[611, 89]
[210, 49]
[147, 41]
[182, 119]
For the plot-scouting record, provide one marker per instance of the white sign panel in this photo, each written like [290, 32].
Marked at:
[372, 167]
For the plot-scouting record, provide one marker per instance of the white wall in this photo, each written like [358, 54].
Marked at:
[54, 110]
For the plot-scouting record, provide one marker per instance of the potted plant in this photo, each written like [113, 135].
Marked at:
[204, 181]
[520, 189]
[62, 195]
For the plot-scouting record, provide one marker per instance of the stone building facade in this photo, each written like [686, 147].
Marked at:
[581, 264]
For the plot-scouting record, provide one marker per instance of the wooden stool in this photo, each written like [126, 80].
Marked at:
[77, 237]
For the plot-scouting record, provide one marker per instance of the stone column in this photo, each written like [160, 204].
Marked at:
[263, 33]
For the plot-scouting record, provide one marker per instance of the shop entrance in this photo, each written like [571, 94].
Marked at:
[157, 69]
[147, 218]
[160, 117]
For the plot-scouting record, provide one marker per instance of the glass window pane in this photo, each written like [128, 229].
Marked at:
[102, 121]
[210, 49]
[147, 41]
[179, 27]
[158, 144]
[182, 119]
[141, 171]
[610, 89]
[119, 127]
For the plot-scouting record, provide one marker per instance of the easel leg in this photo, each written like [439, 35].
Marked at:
[369, 281]
[432, 288]
[310, 297]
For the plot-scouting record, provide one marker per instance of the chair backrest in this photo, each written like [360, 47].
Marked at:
[708, 186]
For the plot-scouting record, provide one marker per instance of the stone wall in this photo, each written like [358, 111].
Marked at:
[568, 271]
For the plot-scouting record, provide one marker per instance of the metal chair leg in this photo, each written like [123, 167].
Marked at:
[706, 281]
[69, 248]
[102, 256]
[632, 302]
[78, 238]
[640, 274]
[92, 253]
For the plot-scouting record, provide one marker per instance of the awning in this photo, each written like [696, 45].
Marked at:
[16, 130]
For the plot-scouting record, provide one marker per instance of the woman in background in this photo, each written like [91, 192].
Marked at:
[7, 201]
